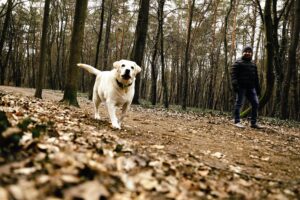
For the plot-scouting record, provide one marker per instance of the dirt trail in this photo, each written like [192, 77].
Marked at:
[272, 153]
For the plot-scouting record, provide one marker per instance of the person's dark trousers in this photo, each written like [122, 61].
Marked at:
[251, 95]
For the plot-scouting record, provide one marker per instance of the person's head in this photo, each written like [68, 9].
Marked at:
[247, 53]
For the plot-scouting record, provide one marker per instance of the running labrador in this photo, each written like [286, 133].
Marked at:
[115, 88]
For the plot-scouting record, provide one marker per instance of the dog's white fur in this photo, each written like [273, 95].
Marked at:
[115, 88]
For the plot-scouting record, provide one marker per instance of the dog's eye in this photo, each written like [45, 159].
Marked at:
[132, 67]
[123, 65]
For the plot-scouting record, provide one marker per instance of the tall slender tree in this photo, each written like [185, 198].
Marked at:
[186, 56]
[154, 70]
[107, 37]
[43, 48]
[97, 47]
[154, 56]
[70, 93]
[227, 77]
[162, 57]
[280, 51]
[99, 39]
[3, 37]
[137, 53]
[291, 62]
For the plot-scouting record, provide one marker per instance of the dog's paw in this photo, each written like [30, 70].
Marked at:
[97, 117]
[116, 126]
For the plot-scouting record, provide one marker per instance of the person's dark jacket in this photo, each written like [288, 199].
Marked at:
[244, 75]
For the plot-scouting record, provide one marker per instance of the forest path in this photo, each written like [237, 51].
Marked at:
[269, 155]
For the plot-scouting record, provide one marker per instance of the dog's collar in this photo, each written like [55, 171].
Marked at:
[121, 85]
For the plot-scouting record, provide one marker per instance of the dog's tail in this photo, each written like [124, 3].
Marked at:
[89, 68]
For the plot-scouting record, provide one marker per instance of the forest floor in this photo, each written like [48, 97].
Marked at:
[50, 150]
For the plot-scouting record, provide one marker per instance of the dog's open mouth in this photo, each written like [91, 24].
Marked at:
[126, 76]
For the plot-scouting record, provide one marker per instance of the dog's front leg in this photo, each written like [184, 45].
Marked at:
[125, 108]
[111, 108]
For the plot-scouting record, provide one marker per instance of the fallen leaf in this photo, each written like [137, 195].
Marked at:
[218, 155]
[265, 158]
[25, 171]
[3, 194]
[70, 178]
[203, 172]
[91, 190]
[11, 131]
[158, 146]
[42, 179]
[236, 169]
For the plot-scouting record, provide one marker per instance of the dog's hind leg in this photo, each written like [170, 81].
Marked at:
[97, 102]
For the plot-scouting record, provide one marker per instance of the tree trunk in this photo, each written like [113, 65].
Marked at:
[59, 44]
[8, 55]
[213, 59]
[153, 67]
[295, 93]
[107, 36]
[278, 56]
[186, 57]
[269, 55]
[41, 72]
[64, 46]
[179, 75]
[137, 53]
[233, 35]
[70, 93]
[91, 85]
[100, 33]
[3, 37]
[291, 62]
[33, 57]
[254, 24]
[227, 86]
[162, 58]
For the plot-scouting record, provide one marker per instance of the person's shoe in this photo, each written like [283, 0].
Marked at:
[256, 126]
[239, 125]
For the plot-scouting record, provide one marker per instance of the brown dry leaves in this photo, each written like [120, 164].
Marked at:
[73, 159]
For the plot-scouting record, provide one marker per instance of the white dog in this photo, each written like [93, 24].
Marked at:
[115, 88]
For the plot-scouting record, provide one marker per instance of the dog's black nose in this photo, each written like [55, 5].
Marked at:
[127, 71]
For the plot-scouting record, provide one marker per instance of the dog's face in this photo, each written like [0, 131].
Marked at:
[127, 69]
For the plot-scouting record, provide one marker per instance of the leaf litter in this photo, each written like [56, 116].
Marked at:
[53, 151]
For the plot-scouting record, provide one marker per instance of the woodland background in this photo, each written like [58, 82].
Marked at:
[185, 48]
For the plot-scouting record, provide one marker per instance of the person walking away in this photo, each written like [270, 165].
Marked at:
[245, 83]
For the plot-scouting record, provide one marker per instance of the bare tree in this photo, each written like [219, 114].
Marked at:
[70, 93]
[100, 33]
[41, 72]
[186, 56]
[3, 37]
[97, 47]
[291, 63]
[107, 37]
[227, 84]
[137, 53]
[154, 70]
[162, 57]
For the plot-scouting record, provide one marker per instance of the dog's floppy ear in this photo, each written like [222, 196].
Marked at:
[137, 68]
[117, 64]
